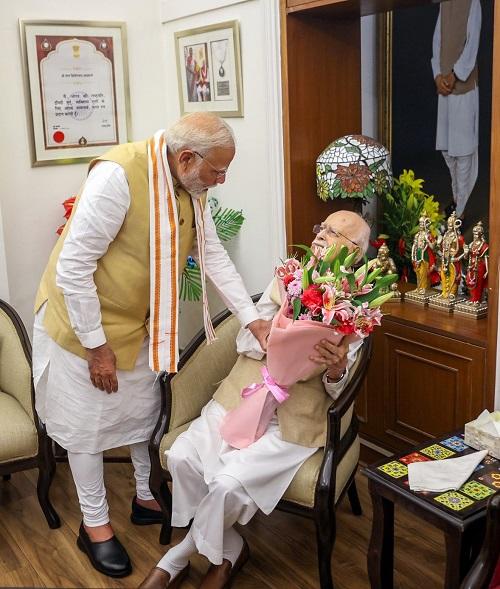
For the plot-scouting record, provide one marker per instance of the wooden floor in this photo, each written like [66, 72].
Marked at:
[283, 554]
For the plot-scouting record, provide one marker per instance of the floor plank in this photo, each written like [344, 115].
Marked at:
[283, 549]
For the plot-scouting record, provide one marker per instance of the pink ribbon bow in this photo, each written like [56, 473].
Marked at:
[279, 393]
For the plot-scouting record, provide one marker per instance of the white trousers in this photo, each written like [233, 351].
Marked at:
[214, 508]
[463, 172]
[88, 474]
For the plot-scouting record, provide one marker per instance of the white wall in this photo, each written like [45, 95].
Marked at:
[255, 179]
[30, 197]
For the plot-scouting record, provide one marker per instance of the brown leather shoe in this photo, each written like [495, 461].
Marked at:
[221, 576]
[160, 579]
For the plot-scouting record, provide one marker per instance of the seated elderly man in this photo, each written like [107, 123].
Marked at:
[215, 485]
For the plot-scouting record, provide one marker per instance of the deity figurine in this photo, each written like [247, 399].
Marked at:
[451, 251]
[387, 265]
[424, 262]
[476, 278]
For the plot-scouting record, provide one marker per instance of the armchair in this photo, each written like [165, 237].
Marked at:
[322, 480]
[24, 443]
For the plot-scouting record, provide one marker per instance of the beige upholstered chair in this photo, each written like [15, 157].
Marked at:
[23, 441]
[322, 480]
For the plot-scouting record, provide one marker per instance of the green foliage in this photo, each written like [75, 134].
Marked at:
[191, 289]
[228, 223]
[403, 206]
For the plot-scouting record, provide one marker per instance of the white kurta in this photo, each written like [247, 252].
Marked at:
[458, 114]
[266, 467]
[78, 416]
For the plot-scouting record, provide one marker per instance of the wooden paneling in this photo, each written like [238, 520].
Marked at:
[494, 220]
[322, 71]
[420, 383]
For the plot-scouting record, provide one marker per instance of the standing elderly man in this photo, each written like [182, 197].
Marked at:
[217, 486]
[107, 309]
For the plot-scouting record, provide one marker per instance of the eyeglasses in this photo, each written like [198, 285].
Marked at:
[219, 173]
[333, 232]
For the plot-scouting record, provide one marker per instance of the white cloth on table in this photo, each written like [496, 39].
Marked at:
[78, 416]
[442, 475]
[265, 468]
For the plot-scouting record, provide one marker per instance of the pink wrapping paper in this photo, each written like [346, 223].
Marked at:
[289, 346]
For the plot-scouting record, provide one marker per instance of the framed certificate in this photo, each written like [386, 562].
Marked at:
[209, 69]
[76, 86]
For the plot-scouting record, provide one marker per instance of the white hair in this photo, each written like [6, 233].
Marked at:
[199, 131]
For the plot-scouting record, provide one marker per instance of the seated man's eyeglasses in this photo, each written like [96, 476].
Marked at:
[333, 232]
[219, 173]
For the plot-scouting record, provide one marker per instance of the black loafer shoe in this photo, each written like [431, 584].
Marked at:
[109, 557]
[142, 516]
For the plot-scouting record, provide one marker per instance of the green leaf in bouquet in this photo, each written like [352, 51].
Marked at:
[228, 223]
[379, 301]
[190, 287]
[297, 304]
[305, 279]
[352, 281]
[351, 258]
[385, 281]
[362, 270]
[368, 297]
[371, 276]
[343, 253]
[308, 250]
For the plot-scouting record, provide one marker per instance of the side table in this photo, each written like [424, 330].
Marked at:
[460, 514]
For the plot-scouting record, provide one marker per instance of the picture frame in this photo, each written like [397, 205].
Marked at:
[209, 69]
[76, 89]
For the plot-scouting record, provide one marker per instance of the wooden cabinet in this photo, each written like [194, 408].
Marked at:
[427, 376]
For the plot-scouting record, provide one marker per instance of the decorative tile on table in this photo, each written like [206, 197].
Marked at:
[414, 457]
[491, 479]
[454, 500]
[455, 443]
[490, 460]
[476, 490]
[394, 469]
[437, 452]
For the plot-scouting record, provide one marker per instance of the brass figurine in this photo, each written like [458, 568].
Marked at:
[424, 262]
[387, 265]
[451, 251]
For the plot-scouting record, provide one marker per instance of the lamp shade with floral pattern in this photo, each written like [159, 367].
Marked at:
[353, 166]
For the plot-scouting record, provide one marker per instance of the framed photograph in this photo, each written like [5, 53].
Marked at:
[77, 89]
[209, 69]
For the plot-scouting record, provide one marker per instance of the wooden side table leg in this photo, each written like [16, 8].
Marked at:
[457, 558]
[381, 549]
[461, 550]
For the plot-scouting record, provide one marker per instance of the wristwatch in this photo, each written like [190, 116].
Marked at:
[332, 380]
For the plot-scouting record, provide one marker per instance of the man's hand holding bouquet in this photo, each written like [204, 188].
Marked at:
[323, 298]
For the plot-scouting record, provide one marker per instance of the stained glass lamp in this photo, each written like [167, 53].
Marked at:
[353, 166]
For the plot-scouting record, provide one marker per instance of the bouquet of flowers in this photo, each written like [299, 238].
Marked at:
[322, 297]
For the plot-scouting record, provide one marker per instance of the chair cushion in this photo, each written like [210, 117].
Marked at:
[168, 439]
[15, 371]
[18, 436]
[303, 485]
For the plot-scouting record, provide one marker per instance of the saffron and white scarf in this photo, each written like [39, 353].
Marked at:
[165, 263]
